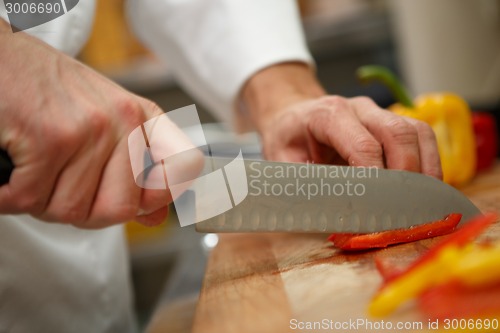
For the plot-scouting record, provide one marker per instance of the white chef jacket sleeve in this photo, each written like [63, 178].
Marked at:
[214, 46]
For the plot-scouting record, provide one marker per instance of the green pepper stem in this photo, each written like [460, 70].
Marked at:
[384, 75]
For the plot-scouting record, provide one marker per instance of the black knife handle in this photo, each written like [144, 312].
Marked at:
[6, 167]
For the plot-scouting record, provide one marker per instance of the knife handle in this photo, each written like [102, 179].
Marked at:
[6, 167]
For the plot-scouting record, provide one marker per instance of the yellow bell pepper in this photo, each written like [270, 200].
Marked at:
[479, 265]
[390, 297]
[454, 259]
[447, 114]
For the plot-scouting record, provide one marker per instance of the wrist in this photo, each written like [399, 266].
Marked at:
[273, 89]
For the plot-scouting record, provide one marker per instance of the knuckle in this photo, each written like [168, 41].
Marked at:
[322, 117]
[31, 203]
[425, 130]
[398, 124]
[367, 146]
[71, 215]
[400, 130]
[364, 100]
[333, 101]
[99, 122]
[130, 111]
[152, 108]
[57, 138]
[325, 110]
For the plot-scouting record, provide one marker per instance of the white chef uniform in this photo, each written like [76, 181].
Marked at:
[57, 278]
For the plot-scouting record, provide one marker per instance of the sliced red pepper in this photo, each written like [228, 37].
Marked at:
[454, 300]
[353, 242]
[468, 232]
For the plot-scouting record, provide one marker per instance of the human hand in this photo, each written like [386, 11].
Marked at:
[66, 128]
[302, 124]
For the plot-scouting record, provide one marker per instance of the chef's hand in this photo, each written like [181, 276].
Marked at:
[66, 128]
[298, 122]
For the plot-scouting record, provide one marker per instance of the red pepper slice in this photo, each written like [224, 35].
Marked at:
[468, 232]
[353, 242]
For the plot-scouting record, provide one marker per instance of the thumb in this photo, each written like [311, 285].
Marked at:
[164, 161]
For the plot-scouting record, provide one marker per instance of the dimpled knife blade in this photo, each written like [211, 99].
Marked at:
[292, 197]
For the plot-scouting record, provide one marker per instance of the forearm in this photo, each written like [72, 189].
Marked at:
[274, 88]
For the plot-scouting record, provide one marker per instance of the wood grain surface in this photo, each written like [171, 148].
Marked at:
[267, 282]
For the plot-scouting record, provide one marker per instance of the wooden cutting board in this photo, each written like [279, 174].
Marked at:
[272, 282]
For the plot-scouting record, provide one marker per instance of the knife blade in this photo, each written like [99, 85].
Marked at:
[292, 197]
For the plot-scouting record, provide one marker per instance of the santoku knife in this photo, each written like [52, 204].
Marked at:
[291, 197]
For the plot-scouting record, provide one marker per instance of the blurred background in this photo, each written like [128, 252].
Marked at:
[433, 45]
